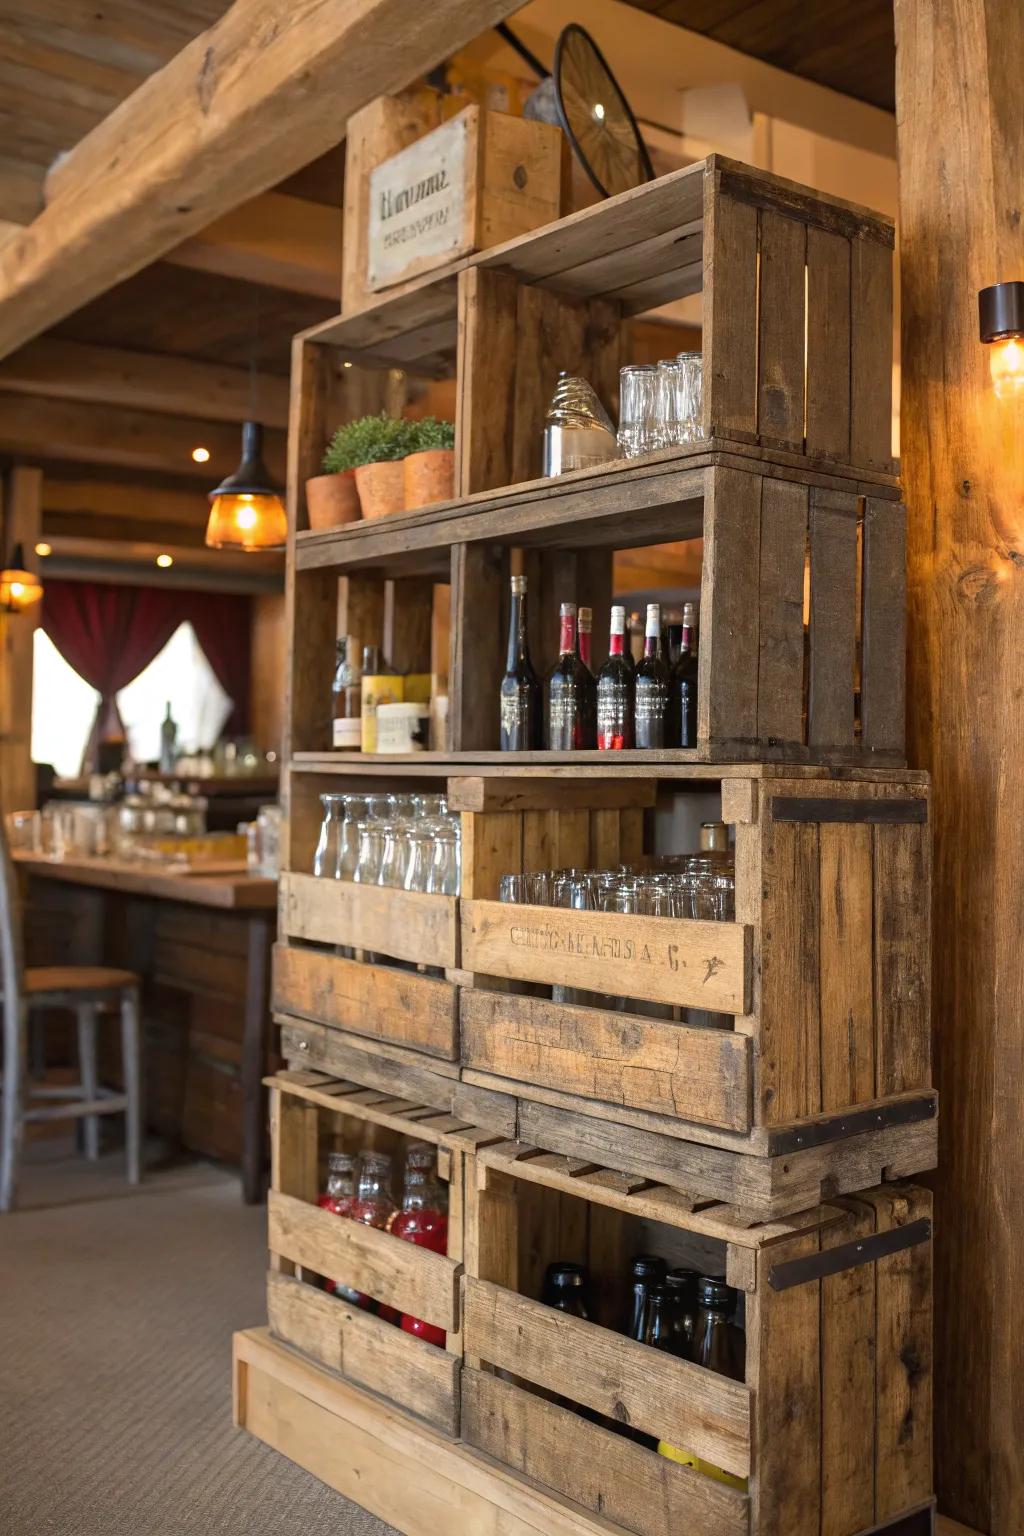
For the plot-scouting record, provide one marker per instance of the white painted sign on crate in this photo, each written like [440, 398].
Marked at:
[418, 206]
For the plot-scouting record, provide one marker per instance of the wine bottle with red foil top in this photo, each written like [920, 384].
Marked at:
[615, 686]
[571, 693]
[584, 635]
[684, 683]
[520, 697]
[652, 687]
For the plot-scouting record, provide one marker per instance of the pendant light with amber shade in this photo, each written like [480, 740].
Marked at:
[246, 509]
[19, 587]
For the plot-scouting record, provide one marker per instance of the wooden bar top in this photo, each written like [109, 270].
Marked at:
[232, 892]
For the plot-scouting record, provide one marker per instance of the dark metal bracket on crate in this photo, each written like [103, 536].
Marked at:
[863, 1250]
[870, 812]
[854, 1122]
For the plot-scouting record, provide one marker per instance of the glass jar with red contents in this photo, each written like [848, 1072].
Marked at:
[374, 1207]
[423, 1220]
[338, 1198]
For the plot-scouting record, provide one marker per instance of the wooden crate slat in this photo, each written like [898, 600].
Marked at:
[730, 316]
[488, 304]
[521, 794]
[788, 1083]
[828, 344]
[603, 1472]
[395, 1272]
[479, 581]
[833, 632]
[698, 1074]
[884, 627]
[379, 1001]
[870, 364]
[902, 957]
[403, 924]
[373, 1354]
[780, 639]
[847, 1006]
[780, 352]
[385, 1074]
[848, 1386]
[729, 610]
[659, 1394]
[673, 960]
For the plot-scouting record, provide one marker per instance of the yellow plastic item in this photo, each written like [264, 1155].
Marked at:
[708, 1468]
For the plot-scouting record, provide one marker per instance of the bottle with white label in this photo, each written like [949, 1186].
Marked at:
[652, 686]
[347, 696]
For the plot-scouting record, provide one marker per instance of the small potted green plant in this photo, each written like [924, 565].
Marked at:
[350, 485]
[430, 463]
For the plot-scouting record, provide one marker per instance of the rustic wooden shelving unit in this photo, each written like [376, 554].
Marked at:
[769, 1147]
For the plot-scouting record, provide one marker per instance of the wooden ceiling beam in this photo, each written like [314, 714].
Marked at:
[242, 106]
[118, 501]
[276, 240]
[84, 433]
[150, 381]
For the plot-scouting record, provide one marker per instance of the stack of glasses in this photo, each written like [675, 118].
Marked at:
[406, 842]
[696, 885]
[660, 405]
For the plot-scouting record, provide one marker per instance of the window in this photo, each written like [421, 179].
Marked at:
[64, 706]
[182, 675]
[63, 709]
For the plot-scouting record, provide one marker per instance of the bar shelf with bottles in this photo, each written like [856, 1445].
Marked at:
[801, 1406]
[788, 481]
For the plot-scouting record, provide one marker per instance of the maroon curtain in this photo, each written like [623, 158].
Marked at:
[223, 626]
[110, 634]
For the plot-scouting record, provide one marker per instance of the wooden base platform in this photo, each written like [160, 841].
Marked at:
[400, 1470]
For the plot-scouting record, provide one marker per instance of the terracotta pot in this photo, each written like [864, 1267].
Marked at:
[332, 500]
[429, 476]
[380, 488]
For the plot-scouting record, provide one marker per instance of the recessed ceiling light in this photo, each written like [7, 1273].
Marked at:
[201, 455]
[346, 365]
[43, 549]
[163, 561]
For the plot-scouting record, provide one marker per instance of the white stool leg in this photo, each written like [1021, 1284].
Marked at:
[88, 1076]
[131, 1049]
[15, 1025]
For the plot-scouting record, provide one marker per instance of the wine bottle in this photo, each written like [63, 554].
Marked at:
[615, 690]
[571, 693]
[520, 695]
[652, 686]
[347, 702]
[684, 683]
[584, 629]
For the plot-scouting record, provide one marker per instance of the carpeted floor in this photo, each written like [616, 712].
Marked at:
[116, 1313]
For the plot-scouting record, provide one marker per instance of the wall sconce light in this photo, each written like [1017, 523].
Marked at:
[246, 510]
[19, 587]
[1001, 324]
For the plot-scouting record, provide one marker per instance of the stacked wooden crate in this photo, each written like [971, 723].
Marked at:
[774, 1149]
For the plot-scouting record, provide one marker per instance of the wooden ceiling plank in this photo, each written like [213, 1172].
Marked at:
[176, 386]
[279, 241]
[117, 501]
[98, 434]
[242, 106]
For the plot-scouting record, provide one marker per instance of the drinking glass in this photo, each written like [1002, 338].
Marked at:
[691, 366]
[371, 851]
[638, 384]
[380, 807]
[394, 854]
[443, 877]
[514, 888]
[421, 849]
[671, 404]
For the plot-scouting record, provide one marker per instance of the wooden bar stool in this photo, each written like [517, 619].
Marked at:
[87, 990]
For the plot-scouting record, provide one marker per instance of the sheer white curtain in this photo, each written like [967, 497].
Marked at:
[63, 704]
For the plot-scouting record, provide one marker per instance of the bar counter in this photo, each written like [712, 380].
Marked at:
[201, 944]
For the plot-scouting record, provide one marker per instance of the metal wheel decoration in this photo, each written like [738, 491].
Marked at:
[596, 115]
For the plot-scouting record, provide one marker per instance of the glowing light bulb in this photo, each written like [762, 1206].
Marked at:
[44, 549]
[164, 561]
[599, 111]
[201, 455]
[1006, 366]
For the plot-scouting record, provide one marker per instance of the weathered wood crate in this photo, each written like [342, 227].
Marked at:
[819, 1079]
[831, 1428]
[305, 1242]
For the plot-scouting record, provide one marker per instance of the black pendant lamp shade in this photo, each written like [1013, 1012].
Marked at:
[247, 510]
